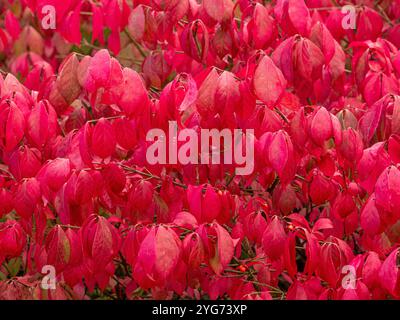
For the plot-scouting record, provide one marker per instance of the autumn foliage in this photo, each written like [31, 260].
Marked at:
[77, 193]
